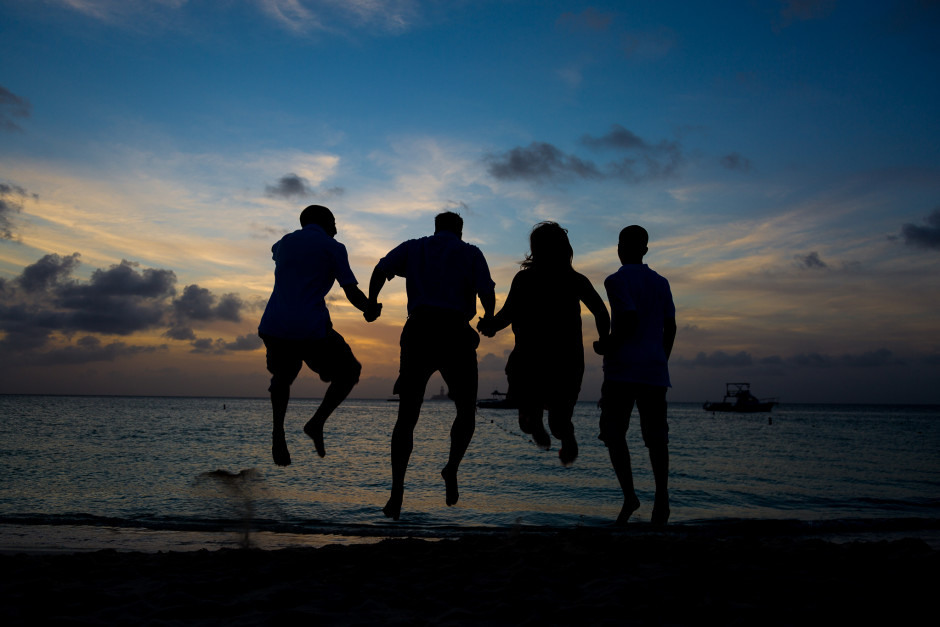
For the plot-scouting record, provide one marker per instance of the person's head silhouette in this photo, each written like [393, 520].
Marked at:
[549, 247]
[632, 244]
[450, 222]
[321, 216]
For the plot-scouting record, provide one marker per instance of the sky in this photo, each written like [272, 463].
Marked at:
[784, 156]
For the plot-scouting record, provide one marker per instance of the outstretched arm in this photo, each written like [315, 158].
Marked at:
[592, 300]
[370, 310]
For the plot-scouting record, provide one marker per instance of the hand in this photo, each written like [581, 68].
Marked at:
[602, 346]
[485, 326]
[372, 312]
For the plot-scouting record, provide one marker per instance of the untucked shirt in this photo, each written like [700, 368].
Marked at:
[641, 358]
[306, 263]
[440, 270]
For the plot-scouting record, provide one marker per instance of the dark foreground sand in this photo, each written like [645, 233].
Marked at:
[577, 577]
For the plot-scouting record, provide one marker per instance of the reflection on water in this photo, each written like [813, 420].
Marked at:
[156, 459]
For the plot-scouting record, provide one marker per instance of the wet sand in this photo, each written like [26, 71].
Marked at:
[578, 576]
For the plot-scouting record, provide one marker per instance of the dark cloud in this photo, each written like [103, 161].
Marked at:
[289, 186]
[49, 271]
[812, 261]
[717, 359]
[219, 346]
[198, 303]
[293, 187]
[870, 359]
[539, 162]
[90, 349]
[45, 300]
[12, 107]
[11, 203]
[735, 161]
[542, 162]
[924, 236]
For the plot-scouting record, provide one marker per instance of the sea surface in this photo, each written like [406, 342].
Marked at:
[156, 473]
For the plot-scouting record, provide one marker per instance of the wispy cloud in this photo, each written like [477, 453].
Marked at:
[11, 204]
[12, 108]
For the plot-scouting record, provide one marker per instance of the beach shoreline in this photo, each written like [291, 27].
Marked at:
[761, 574]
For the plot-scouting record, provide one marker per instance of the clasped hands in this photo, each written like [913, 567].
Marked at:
[486, 326]
[372, 311]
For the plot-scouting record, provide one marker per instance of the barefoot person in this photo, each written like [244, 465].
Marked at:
[643, 330]
[443, 278]
[546, 366]
[296, 326]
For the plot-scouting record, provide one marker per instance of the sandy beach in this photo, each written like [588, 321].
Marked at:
[581, 576]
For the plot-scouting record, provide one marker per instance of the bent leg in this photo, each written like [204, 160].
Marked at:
[559, 421]
[530, 421]
[461, 433]
[334, 361]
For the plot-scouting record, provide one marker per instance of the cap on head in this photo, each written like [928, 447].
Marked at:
[321, 216]
[448, 221]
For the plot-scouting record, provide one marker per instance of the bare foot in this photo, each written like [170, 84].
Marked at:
[279, 449]
[568, 451]
[450, 486]
[660, 515]
[392, 509]
[628, 508]
[314, 428]
[541, 438]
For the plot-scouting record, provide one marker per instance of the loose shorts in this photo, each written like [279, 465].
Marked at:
[550, 380]
[330, 357]
[617, 401]
[438, 340]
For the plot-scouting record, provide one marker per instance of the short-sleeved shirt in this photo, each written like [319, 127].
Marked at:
[440, 271]
[306, 264]
[641, 358]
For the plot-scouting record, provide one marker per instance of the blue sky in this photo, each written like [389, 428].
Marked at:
[783, 155]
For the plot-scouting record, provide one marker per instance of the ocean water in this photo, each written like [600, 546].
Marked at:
[139, 472]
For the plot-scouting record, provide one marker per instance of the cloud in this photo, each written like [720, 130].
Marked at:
[812, 261]
[123, 299]
[220, 346]
[11, 107]
[653, 44]
[539, 161]
[542, 162]
[735, 161]
[924, 236]
[306, 16]
[11, 203]
[289, 186]
[717, 359]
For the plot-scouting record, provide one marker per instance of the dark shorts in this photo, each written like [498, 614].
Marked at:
[547, 380]
[617, 401]
[443, 341]
[329, 356]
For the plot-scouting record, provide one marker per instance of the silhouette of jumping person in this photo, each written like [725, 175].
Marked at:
[546, 366]
[443, 278]
[296, 326]
[643, 331]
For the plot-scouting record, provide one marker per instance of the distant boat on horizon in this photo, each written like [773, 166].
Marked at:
[738, 399]
[497, 401]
